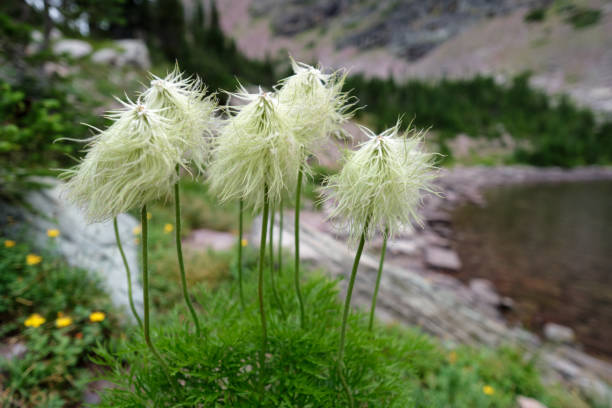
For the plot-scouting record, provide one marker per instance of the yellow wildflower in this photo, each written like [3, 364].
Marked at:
[33, 259]
[452, 357]
[149, 215]
[53, 233]
[168, 228]
[137, 230]
[34, 320]
[97, 317]
[63, 321]
[488, 390]
[9, 243]
[244, 242]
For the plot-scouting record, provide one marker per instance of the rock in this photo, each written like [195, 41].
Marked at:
[506, 304]
[402, 247]
[442, 258]
[135, 52]
[13, 350]
[73, 48]
[526, 402]
[91, 247]
[558, 333]
[54, 68]
[127, 52]
[217, 240]
[436, 240]
[484, 291]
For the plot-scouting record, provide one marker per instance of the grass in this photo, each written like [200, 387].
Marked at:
[393, 366]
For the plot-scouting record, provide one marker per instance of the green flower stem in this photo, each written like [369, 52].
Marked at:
[280, 238]
[179, 253]
[347, 307]
[262, 254]
[272, 271]
[298, 291]
[145, 295]
[240, 235]
[127, 271]
[378, 276]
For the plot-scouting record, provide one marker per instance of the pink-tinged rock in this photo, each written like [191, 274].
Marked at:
[442, 258]
[526, 402]
[205, 238]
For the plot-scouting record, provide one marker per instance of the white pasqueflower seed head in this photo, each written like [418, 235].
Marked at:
[254, 151]
[314, 103]
[381, 184]
[127, 165]
[189, 112]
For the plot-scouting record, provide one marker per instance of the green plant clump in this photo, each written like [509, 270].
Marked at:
[388, 367]
[57, 313]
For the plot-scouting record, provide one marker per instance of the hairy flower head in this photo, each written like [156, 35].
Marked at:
[127, 165]
[380, 186]
[254, 151]
[314, 102]
[182, 101]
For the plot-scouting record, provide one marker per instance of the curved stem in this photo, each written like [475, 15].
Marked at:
[145, 296]
[262, 254]
[128, 273]
[347, 306]
[240, 235]
[272, 272]
[378, 276]
[298, 291]
[179, 253]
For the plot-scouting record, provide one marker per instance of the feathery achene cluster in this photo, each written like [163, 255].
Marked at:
[380, 185]
[315, 103]
[133, 161]
[127, 165]
[183, 102]
[254, 151]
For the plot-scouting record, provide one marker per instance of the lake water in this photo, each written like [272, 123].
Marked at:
[548, 247]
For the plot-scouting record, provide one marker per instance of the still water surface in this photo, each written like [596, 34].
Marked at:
[549, 247]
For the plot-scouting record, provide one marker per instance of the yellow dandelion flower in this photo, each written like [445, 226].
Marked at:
[53, 233]
[34, 320]
[488, 390]
[137, 230]
[244, 242]
[33, 259]
[97, 317]
[63, 321]
[9, 243]
[168, 228]
[149, 215]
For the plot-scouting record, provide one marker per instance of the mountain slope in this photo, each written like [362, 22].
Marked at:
[476, 37]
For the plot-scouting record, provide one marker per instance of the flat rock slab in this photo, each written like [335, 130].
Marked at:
[442, 258]
[526, 402]
[206, 238]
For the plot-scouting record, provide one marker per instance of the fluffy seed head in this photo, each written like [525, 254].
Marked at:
[189, 113]
[381, 183]
[314, 103]
[254, 150]
[127, 165]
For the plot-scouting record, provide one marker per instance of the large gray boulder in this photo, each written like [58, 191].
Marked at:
[91, 247]
[73, 48]
[125, 52]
